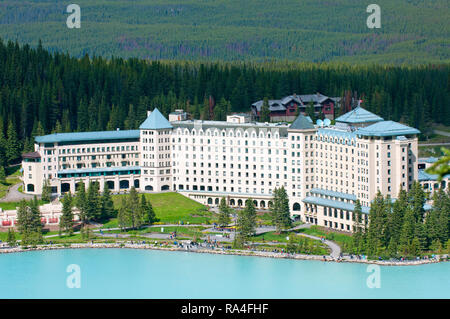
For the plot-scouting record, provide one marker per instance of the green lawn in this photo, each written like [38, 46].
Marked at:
[189, 231]
[339, 238]
[172, 208]
[14, 205]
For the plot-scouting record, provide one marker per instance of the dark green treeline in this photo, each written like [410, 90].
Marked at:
[41, 93]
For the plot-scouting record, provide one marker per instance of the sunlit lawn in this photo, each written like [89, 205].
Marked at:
[171, 208]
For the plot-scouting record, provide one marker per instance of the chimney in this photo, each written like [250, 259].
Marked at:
[148, 113]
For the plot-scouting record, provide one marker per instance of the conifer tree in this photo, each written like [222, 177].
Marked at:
[81, 202]
[224, 213]
[93, 203]
[147, 211]
[11, 239]
[66, 220]
[2, 175]
[280, 212]
[123, 217]
[106, 204]
[264, 115]
[246, 221]
[12, 144]
[46, 191]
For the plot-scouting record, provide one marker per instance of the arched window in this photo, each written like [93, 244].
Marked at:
[296, 207]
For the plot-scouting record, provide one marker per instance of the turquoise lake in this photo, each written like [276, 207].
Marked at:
[134, 273]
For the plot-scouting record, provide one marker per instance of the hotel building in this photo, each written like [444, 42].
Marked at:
[324, 168]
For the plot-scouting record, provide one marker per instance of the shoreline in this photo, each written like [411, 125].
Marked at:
[226, 252]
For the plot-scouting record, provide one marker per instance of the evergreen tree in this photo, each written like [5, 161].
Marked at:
[93, 203]
[408, 230]
[11, 239]
[106, 204]
[358, 235]
[147, 211]
[46, 191]
[417, 199]
[136, 214]
[246, 222]
[66, 220]
[29, 222]
[280, 213]
[123, 214]
[81, 202]
[310, 111]
[3, 158]
[2, 175]
[377, 226]
[224, 213]
[264, 114]
[12, 144]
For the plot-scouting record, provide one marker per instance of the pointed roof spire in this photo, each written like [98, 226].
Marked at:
[359, 115]
[301, 123]
[155, 121]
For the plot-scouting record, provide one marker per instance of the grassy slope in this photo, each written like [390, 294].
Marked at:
[172, 208]
[413, 31]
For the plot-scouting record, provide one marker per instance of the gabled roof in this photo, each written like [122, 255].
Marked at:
[359, 115]
[301, 123]
[386, 128]
[155, 121]
[31, 155]
[88, 136]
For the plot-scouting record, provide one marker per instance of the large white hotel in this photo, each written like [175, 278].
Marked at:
[323, 167]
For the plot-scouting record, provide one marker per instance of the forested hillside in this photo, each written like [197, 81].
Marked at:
[412, 31]
[41, 92]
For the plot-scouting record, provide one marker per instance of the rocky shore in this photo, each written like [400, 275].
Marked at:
[219, 251]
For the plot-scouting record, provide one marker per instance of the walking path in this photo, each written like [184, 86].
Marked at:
[14, 195]
[335, 249]
[439, 132]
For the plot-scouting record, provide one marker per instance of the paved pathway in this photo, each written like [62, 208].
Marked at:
[434, 144]
[442, 133]
[14, 195]
[335, 249]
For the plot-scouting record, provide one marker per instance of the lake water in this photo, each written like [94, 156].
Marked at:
[133, 273]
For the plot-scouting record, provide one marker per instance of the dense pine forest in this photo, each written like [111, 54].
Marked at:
[412, 31]
[42, 92]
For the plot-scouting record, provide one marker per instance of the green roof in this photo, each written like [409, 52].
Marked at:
[359, 115]
[155, 121]
[88, 136]
[301, 123]
[386, 128]
[327, 192]
[334, 204]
